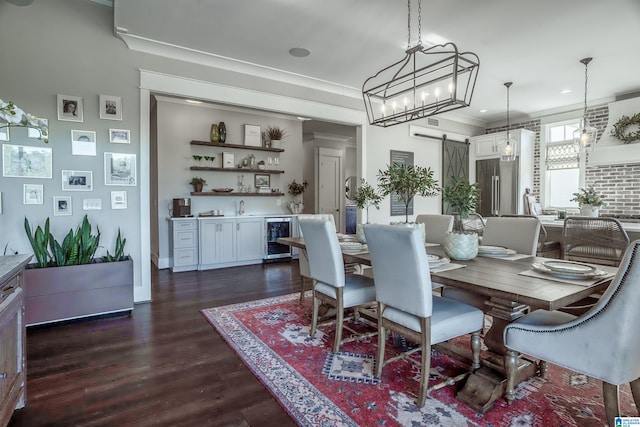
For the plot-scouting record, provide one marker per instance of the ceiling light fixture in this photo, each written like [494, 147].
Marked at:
[426, 82]
[299, 52]
[192, 101]
[584, 138]
[563, 91]
[508, 147]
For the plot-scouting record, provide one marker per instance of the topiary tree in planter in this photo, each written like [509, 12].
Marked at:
[407, 181]
[367, 196]
[462, 197]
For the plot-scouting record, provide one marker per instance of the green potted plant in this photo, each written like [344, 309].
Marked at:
[407, 182]
[197, 183]
[589, 201]
[365, 197]
[273, 135]
[296, 189]
[462, 197]
[68, 281]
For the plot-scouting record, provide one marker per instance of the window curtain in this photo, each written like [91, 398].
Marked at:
[562, 156]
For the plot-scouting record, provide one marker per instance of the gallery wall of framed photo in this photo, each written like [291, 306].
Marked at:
[78, 172]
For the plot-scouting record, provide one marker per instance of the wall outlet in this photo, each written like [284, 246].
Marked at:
[92, 204]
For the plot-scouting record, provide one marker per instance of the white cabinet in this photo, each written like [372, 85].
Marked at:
[249, 239]
[217, 242]
[183, 244]
[485, 146]
[488, 146]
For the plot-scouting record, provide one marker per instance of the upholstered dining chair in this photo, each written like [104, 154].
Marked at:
[474, 222]
[595, 240]
[602, 343]
[519, 234]
[436, 227]
[303, 261]
[546, 248]
[406, 304]
[330, 283]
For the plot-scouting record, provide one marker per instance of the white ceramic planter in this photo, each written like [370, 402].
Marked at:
[418, 225]
[588, 210]
[296, 208]
[461, 246]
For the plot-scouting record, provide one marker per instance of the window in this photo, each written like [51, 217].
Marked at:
[561, 170]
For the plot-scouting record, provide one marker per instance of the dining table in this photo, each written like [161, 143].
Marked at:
[510, 288]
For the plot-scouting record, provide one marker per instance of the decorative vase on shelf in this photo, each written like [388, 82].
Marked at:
[588, 210]
[461, 246]
[296, 208]
[215, 133]
[197, 188]
[275, 143]
[222, 132]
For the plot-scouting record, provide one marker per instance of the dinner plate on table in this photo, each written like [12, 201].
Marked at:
[567, 273]
[569, 267]
[495, 251]
[353, 247]
[436, 261]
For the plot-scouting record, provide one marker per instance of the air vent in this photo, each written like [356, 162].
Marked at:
[433, 122]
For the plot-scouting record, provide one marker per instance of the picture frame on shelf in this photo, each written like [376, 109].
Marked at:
[118, 200]
[110, 107]
[33, 194]
[119, 136]
[70, 108]
[252, 136]
[77, 180]
[20, 161]
[120, 169]
[228, 160]
[261, 180]
[62, 206]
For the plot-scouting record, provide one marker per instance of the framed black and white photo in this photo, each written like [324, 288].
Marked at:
[118, 200]
[4, 134]
[262, 180]
[33, 194]
[26, 162]
[61, 205]
[70, 108]
[119, 136]
[77, 180]
[252, 136]
[120, 169]
[110, 107]
[83, 143]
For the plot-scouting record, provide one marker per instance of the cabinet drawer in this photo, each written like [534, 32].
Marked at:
[8, 287]
[10, 343]
[184, 238]
[184, 225]
[185, 257]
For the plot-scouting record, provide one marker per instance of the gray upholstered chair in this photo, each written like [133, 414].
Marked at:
[546, 248]
[519, 234]
[602, 343]
[303, 261]
[436, 227]
[405, 301]
[331, 285]
[596, 240]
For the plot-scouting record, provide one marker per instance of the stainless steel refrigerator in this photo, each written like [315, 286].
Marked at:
[499, 187]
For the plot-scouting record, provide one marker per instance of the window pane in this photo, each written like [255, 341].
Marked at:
[562, 184]
[556, 134]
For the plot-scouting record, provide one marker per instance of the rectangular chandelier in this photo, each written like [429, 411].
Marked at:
[426, 82]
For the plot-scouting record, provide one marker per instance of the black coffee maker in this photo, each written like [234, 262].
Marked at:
[181, 207]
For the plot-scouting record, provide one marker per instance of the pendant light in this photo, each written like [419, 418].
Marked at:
[509, 146]
[584, 138]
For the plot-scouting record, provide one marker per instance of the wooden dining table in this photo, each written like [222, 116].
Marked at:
[508, 296]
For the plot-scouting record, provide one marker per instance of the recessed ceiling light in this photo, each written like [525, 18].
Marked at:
[483, 111]
[192, 101]
[303, 118]
[299, 52]
[565, 91]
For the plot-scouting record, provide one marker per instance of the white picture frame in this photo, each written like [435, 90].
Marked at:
[228, 160]
[32, 194]
[62, 206]
[77, 180]
[4, 134]
[20, 161]
[120, 169]
[70, 108]
[83, 143]
[252, 136]
[118, 200]
[110, 107]
[119, 136]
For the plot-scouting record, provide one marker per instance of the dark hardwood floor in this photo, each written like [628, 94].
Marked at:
[163, 366]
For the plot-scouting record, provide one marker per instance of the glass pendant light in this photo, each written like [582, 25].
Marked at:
[584, 138]
[509, 146]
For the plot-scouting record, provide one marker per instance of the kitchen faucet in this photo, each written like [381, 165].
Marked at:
[241, 209]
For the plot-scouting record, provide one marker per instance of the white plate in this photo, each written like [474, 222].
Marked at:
[353, 247]
[495, 250]
[569, 267]
[540, 267]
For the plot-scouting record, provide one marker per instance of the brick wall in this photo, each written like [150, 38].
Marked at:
[619, 185]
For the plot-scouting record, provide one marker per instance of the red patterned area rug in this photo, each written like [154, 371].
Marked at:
[318, 388]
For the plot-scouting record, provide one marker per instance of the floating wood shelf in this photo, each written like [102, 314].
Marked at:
[240, 147]
[235, 193]
[207, 168]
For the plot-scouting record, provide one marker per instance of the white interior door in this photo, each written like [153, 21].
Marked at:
[330, 184]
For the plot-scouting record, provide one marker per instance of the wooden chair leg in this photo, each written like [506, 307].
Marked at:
[339, 319]
[314, 318]
[475, 350]
[425, 360]
[510, 365]
[611, 402]
[382, 339]
[304, 279]
[635, 390]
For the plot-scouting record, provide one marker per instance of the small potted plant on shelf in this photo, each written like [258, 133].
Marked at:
[365, 197]
[273, 135]
[296, 189]
[462, 197]
[589, 201]
[197, 183]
